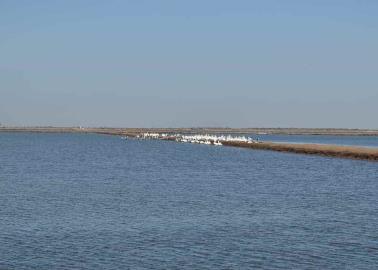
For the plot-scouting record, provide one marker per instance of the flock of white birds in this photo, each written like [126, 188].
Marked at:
[198, 138]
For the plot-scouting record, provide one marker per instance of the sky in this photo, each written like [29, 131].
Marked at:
[197, 63]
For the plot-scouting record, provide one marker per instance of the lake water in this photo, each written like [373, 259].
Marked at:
[71, 201]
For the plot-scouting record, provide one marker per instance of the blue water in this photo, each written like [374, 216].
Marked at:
[71, 201]
[365, 141]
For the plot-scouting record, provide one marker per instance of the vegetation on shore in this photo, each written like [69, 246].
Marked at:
[353, 152]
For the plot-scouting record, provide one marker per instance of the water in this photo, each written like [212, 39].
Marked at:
[365, 141]
[71, 201]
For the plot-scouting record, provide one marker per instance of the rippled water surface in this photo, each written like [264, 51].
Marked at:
[71, 201]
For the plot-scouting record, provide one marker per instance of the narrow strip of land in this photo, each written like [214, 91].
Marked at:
[339, 151]
[351, 152]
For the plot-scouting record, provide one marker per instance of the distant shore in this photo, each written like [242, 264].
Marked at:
[257, 131]
[351, 152]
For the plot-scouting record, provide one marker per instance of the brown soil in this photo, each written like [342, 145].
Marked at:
[314, 149]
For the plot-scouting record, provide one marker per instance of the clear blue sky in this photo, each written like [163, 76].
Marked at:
[265, 63]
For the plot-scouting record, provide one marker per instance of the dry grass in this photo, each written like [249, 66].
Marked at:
[314, 149]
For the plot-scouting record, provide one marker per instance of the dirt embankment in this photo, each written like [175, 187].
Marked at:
[314, 149]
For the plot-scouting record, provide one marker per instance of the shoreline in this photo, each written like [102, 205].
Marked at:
[257, 131]
[328, 150]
